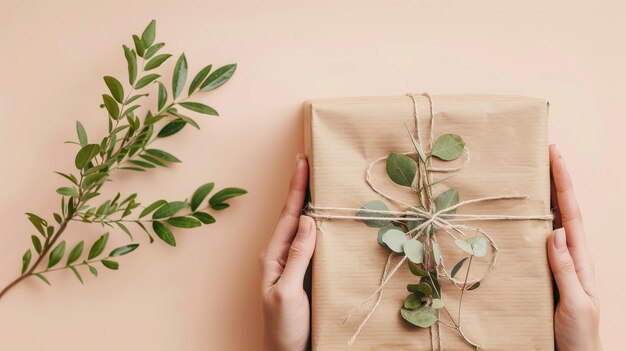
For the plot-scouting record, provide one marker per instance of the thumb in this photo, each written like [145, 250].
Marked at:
[300, 253]
[563, 266]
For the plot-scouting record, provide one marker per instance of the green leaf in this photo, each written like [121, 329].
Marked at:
[204, 217]
[65, 191]
[114, 85]
[414, 250]
[382, 232]
[80, 279]
[195, 83]
[184, 222]
[474, 286]
[219, 77]
[57, 254]
[162, 96]
[44, 279]
[131, 100]
[422, 317]
[457, 267]
[163, 155]
[69, 177]
[401, 169]
[148, 35]
[394, 239]
[412, 302]
[436, 252]
[93, 179]
[110, 264]
[425, 289]
[217, 201]
[480, 246]
[157, 61]
[142, 164]
[82, 134]
[416, 145]
[437, 304]
[153, 206]
[98, 246]
[164, 233]
[464, 246]
[198, 107]
[447, 200]
[169, 209]
[26, 260]
[36, 243]
[374, 205]
[123, 250]
[184, 118]
[145, 80]
[153, 160]
[38, 222]
[180, 76]
[171, 128]
[85, 155]
[92, 269]
[448, 147]
[124, 229]
[139, 46]
[200, 194]
[75, 253]
[111, 105]
[131, 59]
[153, 50]
[416, 270]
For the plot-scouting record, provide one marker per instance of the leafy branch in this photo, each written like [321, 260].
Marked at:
[126, 147]
[415, 238]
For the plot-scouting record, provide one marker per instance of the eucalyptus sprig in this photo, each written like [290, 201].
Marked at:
[127, 146]
[415, 239]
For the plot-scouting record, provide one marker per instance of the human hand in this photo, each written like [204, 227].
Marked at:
[283, 266]
[577, 316]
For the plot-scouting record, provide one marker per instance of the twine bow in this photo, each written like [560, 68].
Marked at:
[441, 219]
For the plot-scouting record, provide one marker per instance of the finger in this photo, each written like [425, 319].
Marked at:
[563, 267]
[287, 223]
[300, 254]
[572, 221]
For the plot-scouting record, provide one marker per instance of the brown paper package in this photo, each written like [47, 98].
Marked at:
[507, 137]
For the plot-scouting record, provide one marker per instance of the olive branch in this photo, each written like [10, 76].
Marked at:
[127, 147]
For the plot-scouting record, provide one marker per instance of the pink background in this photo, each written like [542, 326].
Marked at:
[202, 295]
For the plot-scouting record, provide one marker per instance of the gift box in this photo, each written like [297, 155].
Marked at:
[505, 155]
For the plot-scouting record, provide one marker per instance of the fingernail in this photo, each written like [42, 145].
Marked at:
[298, 158]
[556, 148]
[559, 238]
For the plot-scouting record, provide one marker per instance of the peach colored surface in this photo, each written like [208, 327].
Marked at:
[202, 295]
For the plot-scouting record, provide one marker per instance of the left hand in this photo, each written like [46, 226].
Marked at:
[283, 266]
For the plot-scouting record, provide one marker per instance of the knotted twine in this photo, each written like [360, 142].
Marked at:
[426, 217]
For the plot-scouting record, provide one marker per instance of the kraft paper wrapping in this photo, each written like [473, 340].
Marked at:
[507, 137]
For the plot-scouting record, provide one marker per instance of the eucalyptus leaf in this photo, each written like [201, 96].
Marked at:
[416, 270]
[382, 232]
[436, 252]
[412, 302]
[394, 239]
[457, 267]
[401, 169]
[480, 246]
[418, 147]
[219, 77]
[414, 250]
[375, 205]
[448, 147]
[93, 179]
[164, 233]
[446, 200]
[200, 194]
[464, 246]
[85, 154]
[437, 304]
[422, 317]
